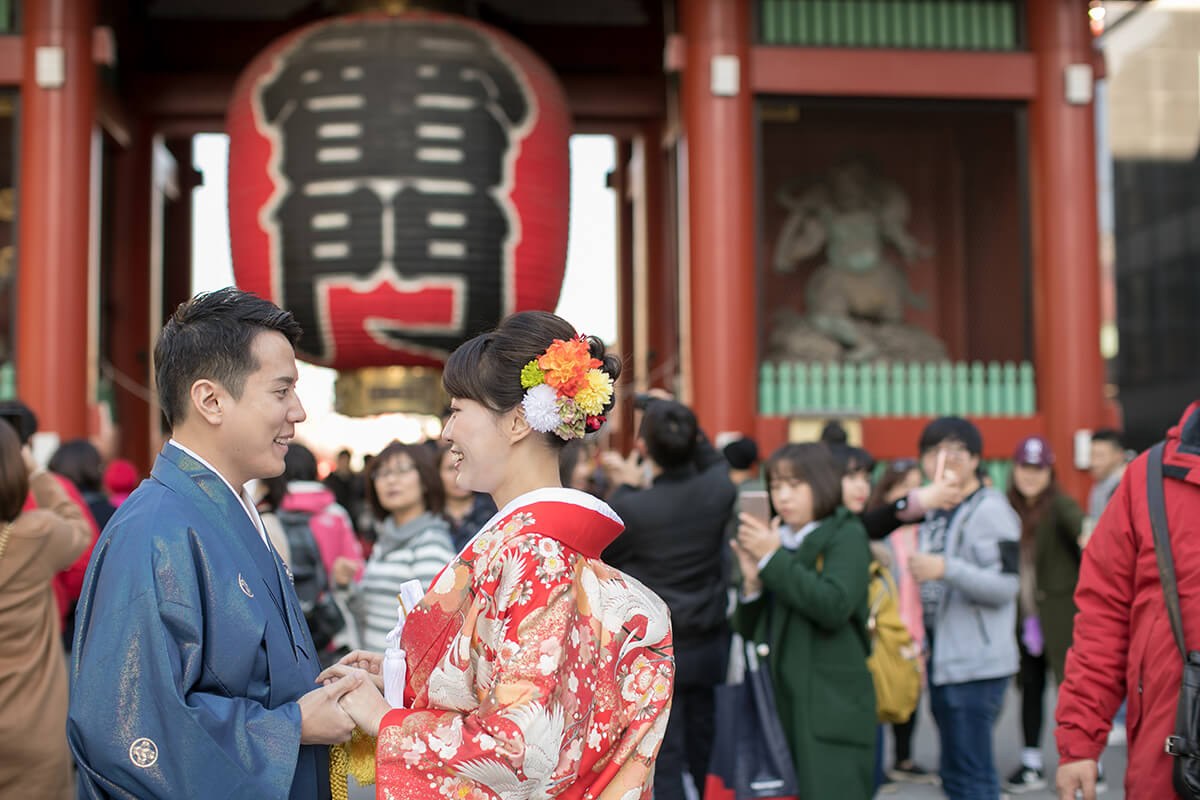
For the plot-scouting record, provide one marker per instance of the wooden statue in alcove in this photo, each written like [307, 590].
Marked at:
[859, 219]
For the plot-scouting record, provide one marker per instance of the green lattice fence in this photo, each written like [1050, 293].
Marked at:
[898, 390]
[909, 24]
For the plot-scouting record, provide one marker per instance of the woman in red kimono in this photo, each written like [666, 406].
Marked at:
[533, 668]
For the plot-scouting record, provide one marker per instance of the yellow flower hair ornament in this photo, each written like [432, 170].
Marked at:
[565, 390]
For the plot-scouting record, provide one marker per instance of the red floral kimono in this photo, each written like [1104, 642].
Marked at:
[534, 669]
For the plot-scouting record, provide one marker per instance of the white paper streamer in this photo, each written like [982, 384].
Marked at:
[395, 668]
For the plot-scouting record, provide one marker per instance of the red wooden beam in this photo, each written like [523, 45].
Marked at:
[199, 99]
[892, 73]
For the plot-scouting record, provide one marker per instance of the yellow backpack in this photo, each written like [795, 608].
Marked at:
[893, 661]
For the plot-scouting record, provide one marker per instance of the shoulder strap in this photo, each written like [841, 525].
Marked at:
[1162, 541]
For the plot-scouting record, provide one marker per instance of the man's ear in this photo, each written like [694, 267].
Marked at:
[207, 398]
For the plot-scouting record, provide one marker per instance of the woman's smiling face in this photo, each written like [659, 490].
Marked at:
[478, 448]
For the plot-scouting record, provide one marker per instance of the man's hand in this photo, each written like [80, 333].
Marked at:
[344, 569]
[322, 720]
[626, 470]
[942, 494]
[756, 537]
[1077, 775]
[926, 567]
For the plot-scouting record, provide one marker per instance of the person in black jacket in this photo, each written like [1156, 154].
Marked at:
[674, 543]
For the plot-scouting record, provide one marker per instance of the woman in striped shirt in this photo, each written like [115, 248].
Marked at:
[406, 495]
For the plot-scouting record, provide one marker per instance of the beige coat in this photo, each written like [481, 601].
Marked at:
[34, 760]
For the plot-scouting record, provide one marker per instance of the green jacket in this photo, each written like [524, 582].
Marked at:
[814, 621]
[1056, 558]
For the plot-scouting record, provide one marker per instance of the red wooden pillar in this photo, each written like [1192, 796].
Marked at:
[57, 118]
[619, 182]
[1066, 273]
[720, 162]
[130, 335]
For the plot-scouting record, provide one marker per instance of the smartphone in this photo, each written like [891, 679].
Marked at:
[756, 503]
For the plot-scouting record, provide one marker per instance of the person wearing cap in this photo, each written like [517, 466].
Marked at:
[1050, 525]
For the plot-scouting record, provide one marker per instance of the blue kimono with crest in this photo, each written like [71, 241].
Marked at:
[190, 652]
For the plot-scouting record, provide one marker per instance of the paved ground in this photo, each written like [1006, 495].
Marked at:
[1008, 755]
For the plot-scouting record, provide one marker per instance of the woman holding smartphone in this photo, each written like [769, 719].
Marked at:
[804, 595]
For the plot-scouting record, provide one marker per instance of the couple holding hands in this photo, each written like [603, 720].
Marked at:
[529, 668]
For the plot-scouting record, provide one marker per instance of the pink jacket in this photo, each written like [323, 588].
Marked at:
[330, 524]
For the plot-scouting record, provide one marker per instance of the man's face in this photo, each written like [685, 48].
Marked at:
[958, 462]
[1106, 459]
[343, 462]
[259, 424]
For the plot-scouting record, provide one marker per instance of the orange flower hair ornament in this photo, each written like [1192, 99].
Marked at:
[565, 390]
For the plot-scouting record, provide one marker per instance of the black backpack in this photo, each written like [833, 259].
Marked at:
[1184, 745]
[311, 582]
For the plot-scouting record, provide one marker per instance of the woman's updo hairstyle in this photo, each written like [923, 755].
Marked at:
[487, 369]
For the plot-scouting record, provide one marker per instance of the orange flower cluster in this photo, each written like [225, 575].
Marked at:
[566, 365]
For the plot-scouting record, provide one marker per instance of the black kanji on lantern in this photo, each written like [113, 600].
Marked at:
[392, 147]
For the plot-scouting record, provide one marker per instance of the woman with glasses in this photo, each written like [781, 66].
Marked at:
[405, 494]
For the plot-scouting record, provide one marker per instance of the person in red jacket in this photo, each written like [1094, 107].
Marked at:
[1122, 639]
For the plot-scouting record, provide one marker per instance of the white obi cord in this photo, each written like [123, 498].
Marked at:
[394, 666]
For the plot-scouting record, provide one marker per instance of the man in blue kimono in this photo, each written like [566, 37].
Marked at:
[193, 670]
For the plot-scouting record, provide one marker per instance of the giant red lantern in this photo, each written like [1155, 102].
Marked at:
[399, 182]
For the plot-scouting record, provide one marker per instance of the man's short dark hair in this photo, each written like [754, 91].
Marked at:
[79, 462]
[21, 418]
[210, 336]
[670, 432]
[741, 453]
[951, 429]
[1110, 435]
[833, 433]
[343, 453]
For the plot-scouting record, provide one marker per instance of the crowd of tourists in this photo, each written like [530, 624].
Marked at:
[572, 621]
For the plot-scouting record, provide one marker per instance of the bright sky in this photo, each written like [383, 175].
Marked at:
[588, 298]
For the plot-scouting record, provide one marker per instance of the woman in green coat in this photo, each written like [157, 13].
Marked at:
[1051, 523]
[805, 577]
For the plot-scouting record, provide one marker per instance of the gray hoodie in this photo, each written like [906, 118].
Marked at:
[975, 617]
